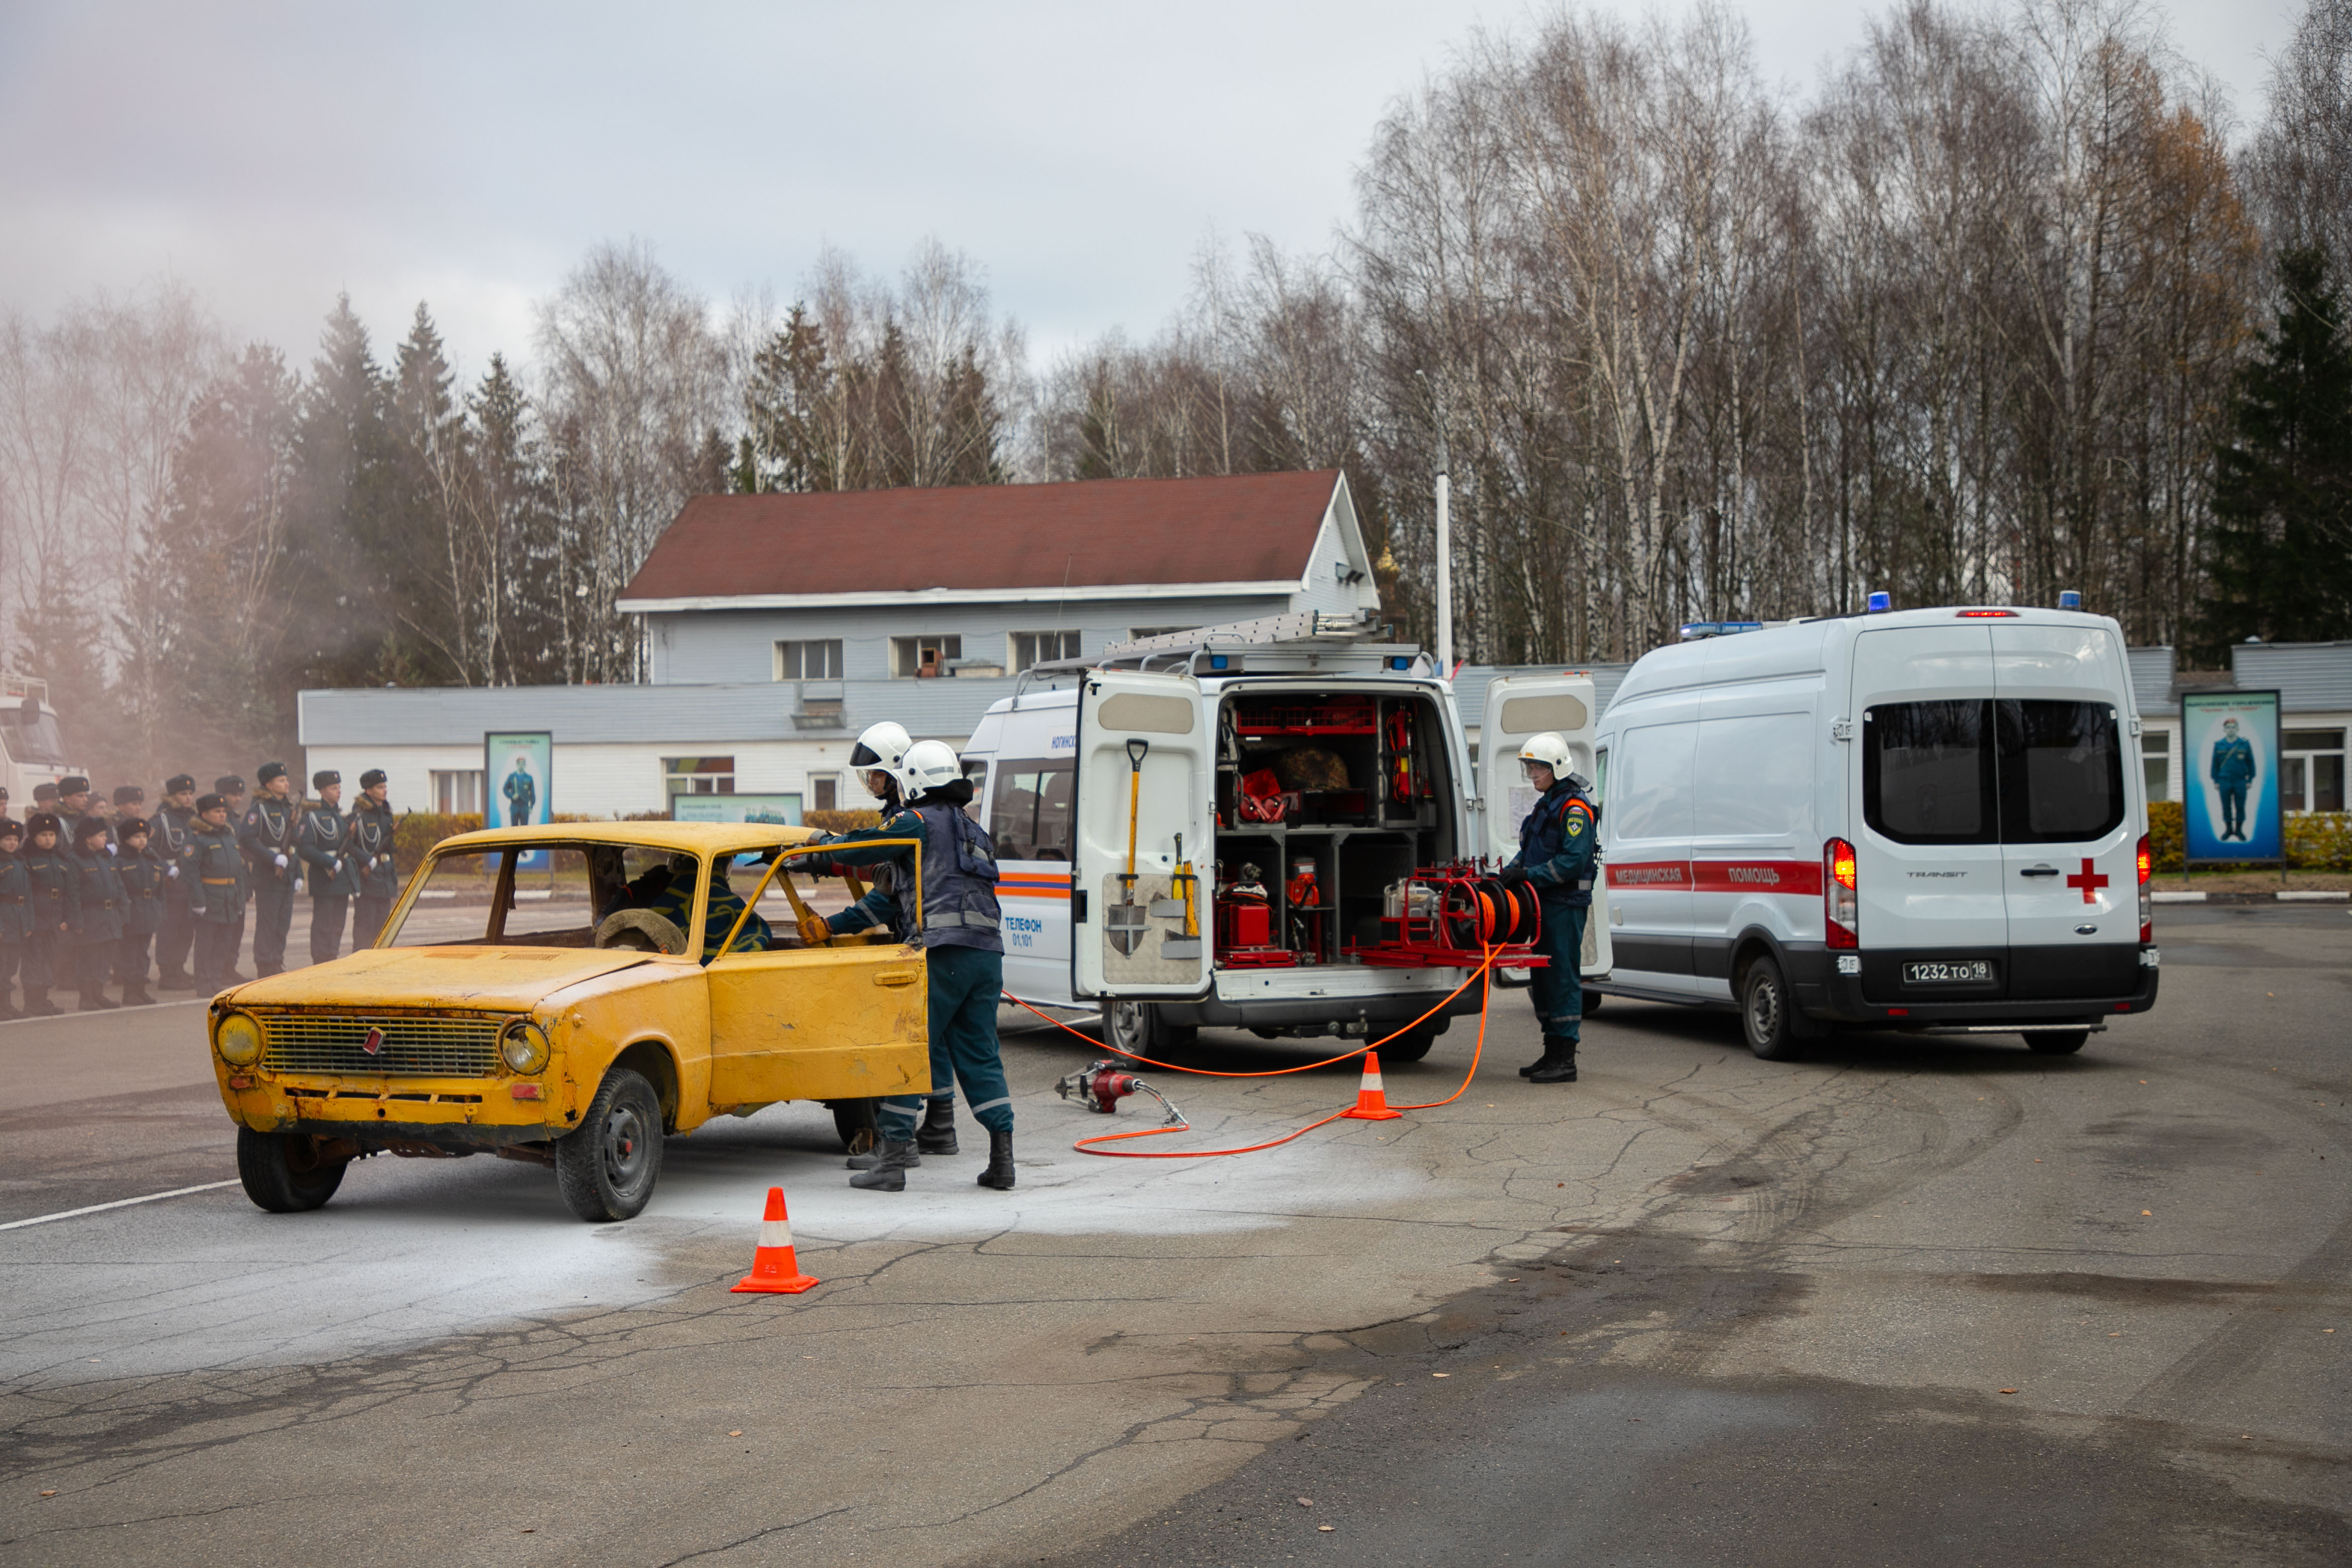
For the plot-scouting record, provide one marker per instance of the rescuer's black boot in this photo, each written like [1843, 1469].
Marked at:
[937, 1135]
[37, 1003]
[873, 1157]
[1558, 1064]
[999, 1173]
[889, 1173]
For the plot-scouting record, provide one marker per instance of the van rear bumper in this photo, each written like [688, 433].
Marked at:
[1825, 993]
[1306, 1012]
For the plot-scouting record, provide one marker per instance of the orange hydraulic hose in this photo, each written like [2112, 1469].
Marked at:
[1085, 1145]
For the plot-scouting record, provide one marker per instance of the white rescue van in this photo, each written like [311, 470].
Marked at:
[1926, 820]
[1171, 734]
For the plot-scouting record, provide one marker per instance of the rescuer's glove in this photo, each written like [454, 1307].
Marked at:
[1515, 875]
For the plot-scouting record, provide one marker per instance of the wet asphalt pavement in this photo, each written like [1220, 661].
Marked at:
[1908, 1302]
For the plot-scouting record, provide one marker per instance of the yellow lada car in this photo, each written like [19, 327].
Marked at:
[569, 995]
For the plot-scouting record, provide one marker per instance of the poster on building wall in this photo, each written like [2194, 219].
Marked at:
[2230, 775]
[518, 766]
[780, 810]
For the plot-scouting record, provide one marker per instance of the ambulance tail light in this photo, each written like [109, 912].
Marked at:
[2146, 894]
[1841, 899]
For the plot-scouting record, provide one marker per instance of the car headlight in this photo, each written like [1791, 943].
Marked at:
[238, 1038]
[524, 1046]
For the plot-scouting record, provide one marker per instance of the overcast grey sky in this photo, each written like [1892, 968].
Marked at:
[269, 155]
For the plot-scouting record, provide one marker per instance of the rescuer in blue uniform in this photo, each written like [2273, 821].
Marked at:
[963, 949]
[1557, 843]
[2233, 771]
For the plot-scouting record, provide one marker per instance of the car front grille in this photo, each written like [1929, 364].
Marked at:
[412, 1046]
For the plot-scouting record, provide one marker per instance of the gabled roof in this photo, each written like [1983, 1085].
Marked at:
[1094, 539]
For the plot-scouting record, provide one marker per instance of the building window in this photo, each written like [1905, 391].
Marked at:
[825, 792]
[458, 793]
[815, 660]
[1136, 634]
[1036, 647]
[2156, 763]
[698, 776]
[921, 658]
[2311, 769]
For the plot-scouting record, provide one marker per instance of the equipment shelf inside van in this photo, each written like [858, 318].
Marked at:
[1926, 819]
[1237, 826]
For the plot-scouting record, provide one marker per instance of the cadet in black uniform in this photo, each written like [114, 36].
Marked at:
[216, 894]
[143, 885]
[73, 804]
[49, 875]
[333, 878]
[97, 924]
[371, 830]
[271, 824]
[16, 909]
[168, 844]
[130, 801]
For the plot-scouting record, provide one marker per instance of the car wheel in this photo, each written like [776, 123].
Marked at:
[1139, 1028]
[853, 1119]
[1592, 1001]
[607, 1167]
[1767, 1016]
[2056, 1042]
[282, 1173]
[1412, 1045]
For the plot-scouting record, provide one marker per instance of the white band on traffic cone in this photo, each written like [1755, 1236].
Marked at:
[775, 1233]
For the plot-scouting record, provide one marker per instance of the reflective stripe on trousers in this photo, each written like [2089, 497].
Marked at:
[1558, 989]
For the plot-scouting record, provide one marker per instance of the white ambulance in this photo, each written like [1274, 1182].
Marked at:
[1924, 819]
[1104, 789]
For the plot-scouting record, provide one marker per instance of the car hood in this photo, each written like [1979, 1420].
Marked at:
[494, 979]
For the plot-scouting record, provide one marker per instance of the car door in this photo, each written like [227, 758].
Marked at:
[1517, 707]
[824, 1022]
[1928, 860]
[2069, 812]
[1145, 749]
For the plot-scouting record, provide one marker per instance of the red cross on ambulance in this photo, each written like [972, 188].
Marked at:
[2090, 879]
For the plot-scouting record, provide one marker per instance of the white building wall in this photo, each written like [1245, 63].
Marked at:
[610, 779]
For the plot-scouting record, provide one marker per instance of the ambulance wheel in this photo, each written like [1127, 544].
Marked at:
[1767, 1015]
[2055, 1042]
[606, 1169]
[853, 1119]
[283, 1174]
[1139, 1027]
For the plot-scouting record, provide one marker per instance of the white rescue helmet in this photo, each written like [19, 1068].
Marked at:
[930, 764]
[883, 749]
[1547, 750]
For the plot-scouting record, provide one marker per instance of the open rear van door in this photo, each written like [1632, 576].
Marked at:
[1518, 706]
[1930, 894]
[1145, 748]
[2069, 821]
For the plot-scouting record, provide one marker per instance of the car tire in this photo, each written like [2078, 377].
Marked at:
[1768, 1013]
[282, 1173]
[853, 1119]
[1140, 1029]
[1592, 1001]
[2055, 1042]
[607, 1168]
[1412, 1045]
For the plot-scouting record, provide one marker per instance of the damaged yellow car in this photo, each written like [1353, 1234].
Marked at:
[570, 995]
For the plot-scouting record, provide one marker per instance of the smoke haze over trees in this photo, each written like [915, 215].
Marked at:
[2006, 303]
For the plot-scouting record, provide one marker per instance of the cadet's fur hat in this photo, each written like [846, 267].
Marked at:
[372, 778]
[90, 827]
[324, 777]
[271, 771]
[11, 829]
[44, 794]
[129, 795]
[75, 785]
[212, 803]
[127, 827]
[180, 783]
[41, 822]
[229, 783]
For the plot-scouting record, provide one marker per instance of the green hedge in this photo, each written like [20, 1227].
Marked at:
[2315, 840]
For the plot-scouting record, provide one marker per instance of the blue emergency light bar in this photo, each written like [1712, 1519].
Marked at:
[2070, 599]
[1694, 630]
[1881, 601]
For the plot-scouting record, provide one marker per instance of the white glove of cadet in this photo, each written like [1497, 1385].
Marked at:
[281, 862]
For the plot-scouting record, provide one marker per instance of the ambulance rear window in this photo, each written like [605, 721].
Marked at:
[2062, 772]
[1927, 771]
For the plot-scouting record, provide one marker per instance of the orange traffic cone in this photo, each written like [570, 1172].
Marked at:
[774, 1269]
[1371, 1100]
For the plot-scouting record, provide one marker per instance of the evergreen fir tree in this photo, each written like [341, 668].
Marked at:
[2283, 482]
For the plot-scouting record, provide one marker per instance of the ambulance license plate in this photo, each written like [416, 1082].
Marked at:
[1961, 970]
